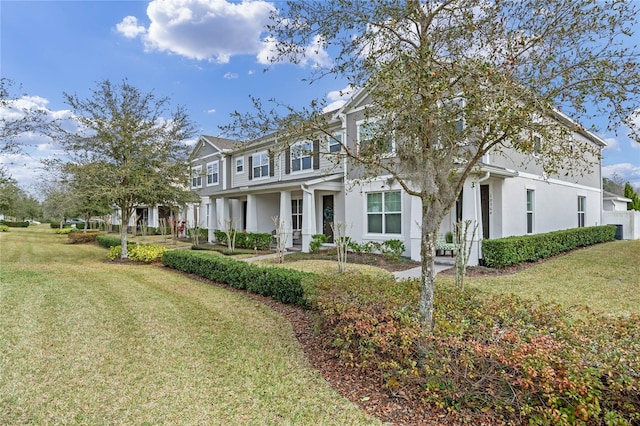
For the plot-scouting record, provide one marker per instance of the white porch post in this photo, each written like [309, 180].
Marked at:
[211, 217]
[285, 216]
[222, 210]
[415, 229]
[309, 226]
[252, 213]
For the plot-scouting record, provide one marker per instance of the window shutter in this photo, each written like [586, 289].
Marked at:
[316, 154]
[250, 167]
[272, 172]
[287, 161]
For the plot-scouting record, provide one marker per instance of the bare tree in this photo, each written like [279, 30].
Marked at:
[341, 238]
[449, 81]
[281, 238]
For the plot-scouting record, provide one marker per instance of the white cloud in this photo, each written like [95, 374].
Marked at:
[314, 55]
[211, 111]
[129, 27]
[338, 98]
[626, 171]
[202, 29]
[231, 76]
[612, 145]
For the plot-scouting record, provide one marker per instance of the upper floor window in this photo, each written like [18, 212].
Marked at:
[384, 212]
[530, 210]
[196, 177]
[537, 144]
[301, 153]
[582, 208]
[240, 165]
[373, 139]
[260, 165]
[212, 173]
[335, 143]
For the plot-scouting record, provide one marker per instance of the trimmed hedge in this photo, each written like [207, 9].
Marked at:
[108, 241]
[508, 251]
[15, 224]
[248, 240]
[83, 237]
[284, 285]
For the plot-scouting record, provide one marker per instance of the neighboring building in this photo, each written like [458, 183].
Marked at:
[614, 212]
[614, 202]
[247, 185]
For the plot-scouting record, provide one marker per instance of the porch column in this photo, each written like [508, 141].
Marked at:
[309, 226]
[285, 216]
[415, 229]
[222, 212]
[211, 220]
[252, 213]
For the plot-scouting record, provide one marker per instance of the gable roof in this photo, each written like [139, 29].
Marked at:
[221, 144]
[614, 197]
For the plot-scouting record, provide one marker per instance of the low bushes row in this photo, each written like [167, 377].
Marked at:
[496, 356]
[14, 224]
[246, 240]
[83, 237]
[508, 251]
[284, 285]
[108, 241]
[146, 253]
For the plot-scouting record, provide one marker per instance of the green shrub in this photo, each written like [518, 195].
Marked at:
[108, 241]
[56, 225]
[246, 240]
[284, 285]
[523, 362]
[4, 228]
[146, 253]
[507, 251]
[15, 224]
[317, 240]
[63, 231]
[82, 237]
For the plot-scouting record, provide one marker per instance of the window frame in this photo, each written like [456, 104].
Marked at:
[582, 211]
[196, 176]
[215, 163]
[383, 213]
[241, 161]
[363, 123]
[296, 214]
[530, 211]
[299, 152]
[258, 165]
[338, 138]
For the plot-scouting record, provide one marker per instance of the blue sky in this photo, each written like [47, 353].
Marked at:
[207, 55]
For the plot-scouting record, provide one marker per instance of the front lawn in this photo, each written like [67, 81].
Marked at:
[85, 341]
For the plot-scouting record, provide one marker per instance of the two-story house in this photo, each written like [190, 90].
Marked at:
[309, 185]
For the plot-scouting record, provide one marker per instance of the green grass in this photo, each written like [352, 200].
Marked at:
[84, 341]
[605, 278]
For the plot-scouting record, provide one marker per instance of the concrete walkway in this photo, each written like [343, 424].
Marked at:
[440, 265]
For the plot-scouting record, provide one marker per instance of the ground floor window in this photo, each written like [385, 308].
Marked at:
[530, 210]
[296, 214]
[384, 212]
[582, 203]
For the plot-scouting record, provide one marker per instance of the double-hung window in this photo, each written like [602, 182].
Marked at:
[240, 165]
[335, 143]
[260, 165]
[196, 177]
[296, 214]
[384, 212]
[301, 156]
[212, 173]
[373, 139]
[582, 204]
[530, 210]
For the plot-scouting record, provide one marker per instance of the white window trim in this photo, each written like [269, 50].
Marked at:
[241, 159]
[532, 211]
[359, 124]
[308, 154]
[383, 234]
[339, 143]
[216, 174]
[582, 212]
[253, 165]
[196, 173]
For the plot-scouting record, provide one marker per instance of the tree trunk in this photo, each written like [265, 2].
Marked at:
[429, 233]
[125, 217]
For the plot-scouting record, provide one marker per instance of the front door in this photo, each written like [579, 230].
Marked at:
[327, 216]
[484, 204]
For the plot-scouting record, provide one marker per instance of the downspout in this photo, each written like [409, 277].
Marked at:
[475, 208]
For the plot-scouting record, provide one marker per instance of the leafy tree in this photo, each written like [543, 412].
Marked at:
[59, 201]
[614, 185]
[131, 149]
[630, 193]
[16, 203]
[451, 80]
